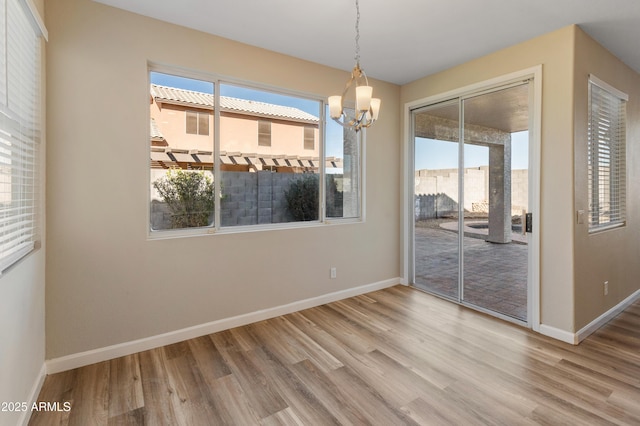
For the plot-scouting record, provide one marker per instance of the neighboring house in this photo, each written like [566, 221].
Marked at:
[254, 135]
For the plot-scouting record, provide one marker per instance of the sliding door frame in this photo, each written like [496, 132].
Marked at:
[533, 74]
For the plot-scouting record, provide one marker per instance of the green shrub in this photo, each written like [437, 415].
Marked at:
[334, 197]
[302, 198]
[188, 195]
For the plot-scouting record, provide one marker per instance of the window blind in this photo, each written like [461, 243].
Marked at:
[309, 138]
[19, 130]
[606, 155]
[192, 122]
[264, 133]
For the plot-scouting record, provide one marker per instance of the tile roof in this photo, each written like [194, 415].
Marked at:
[155, 132]
[181, 96]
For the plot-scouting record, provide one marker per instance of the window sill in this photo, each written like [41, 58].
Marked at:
[607, 228]
[199, 232]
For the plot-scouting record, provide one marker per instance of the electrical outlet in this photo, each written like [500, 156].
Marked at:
[606, 288]
[333, 272]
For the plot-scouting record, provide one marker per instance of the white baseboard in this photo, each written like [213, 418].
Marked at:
[81, 359]
[33, 395]
[558, 334]
[585, 331]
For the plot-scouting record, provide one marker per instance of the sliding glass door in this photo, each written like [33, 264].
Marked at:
[471, 199]
[437, 255]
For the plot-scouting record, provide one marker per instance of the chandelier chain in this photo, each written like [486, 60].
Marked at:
[357, 57]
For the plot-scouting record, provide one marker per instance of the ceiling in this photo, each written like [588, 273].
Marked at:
[400, 40]
[506, 110]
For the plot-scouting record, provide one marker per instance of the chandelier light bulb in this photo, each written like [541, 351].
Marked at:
[375, 108]
[335, 106]
[363, 98]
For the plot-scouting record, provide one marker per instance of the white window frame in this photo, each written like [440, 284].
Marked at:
[216, 227]
[606, 153]
[20, 132]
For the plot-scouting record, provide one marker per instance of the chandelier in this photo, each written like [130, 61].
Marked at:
[366, 108]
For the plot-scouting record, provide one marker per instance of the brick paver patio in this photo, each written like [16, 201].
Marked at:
[495, 275]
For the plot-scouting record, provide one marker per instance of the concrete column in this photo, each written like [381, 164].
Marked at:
[350, 174]
[500, 192]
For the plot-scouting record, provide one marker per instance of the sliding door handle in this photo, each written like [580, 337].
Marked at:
[529, 222]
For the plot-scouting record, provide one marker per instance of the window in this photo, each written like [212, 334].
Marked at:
[181, 167]
[19, 130]
[251, 193]
[606, 155]
[197, 123]
[264, 133]
[259, 171]
[309, 138]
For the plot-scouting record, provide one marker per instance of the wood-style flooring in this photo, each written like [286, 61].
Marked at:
[392, 357]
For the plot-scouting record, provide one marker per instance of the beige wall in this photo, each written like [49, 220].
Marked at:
[611, 255]
[108, 284]
[22, 315]
[555, 52]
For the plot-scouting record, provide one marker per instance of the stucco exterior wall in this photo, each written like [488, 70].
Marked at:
[172, 122]
[238, 133]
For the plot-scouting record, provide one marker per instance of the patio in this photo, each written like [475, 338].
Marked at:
[495, 275]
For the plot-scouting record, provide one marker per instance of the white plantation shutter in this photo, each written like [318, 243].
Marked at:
[19, 130]
[3, 51]
[606, 155]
